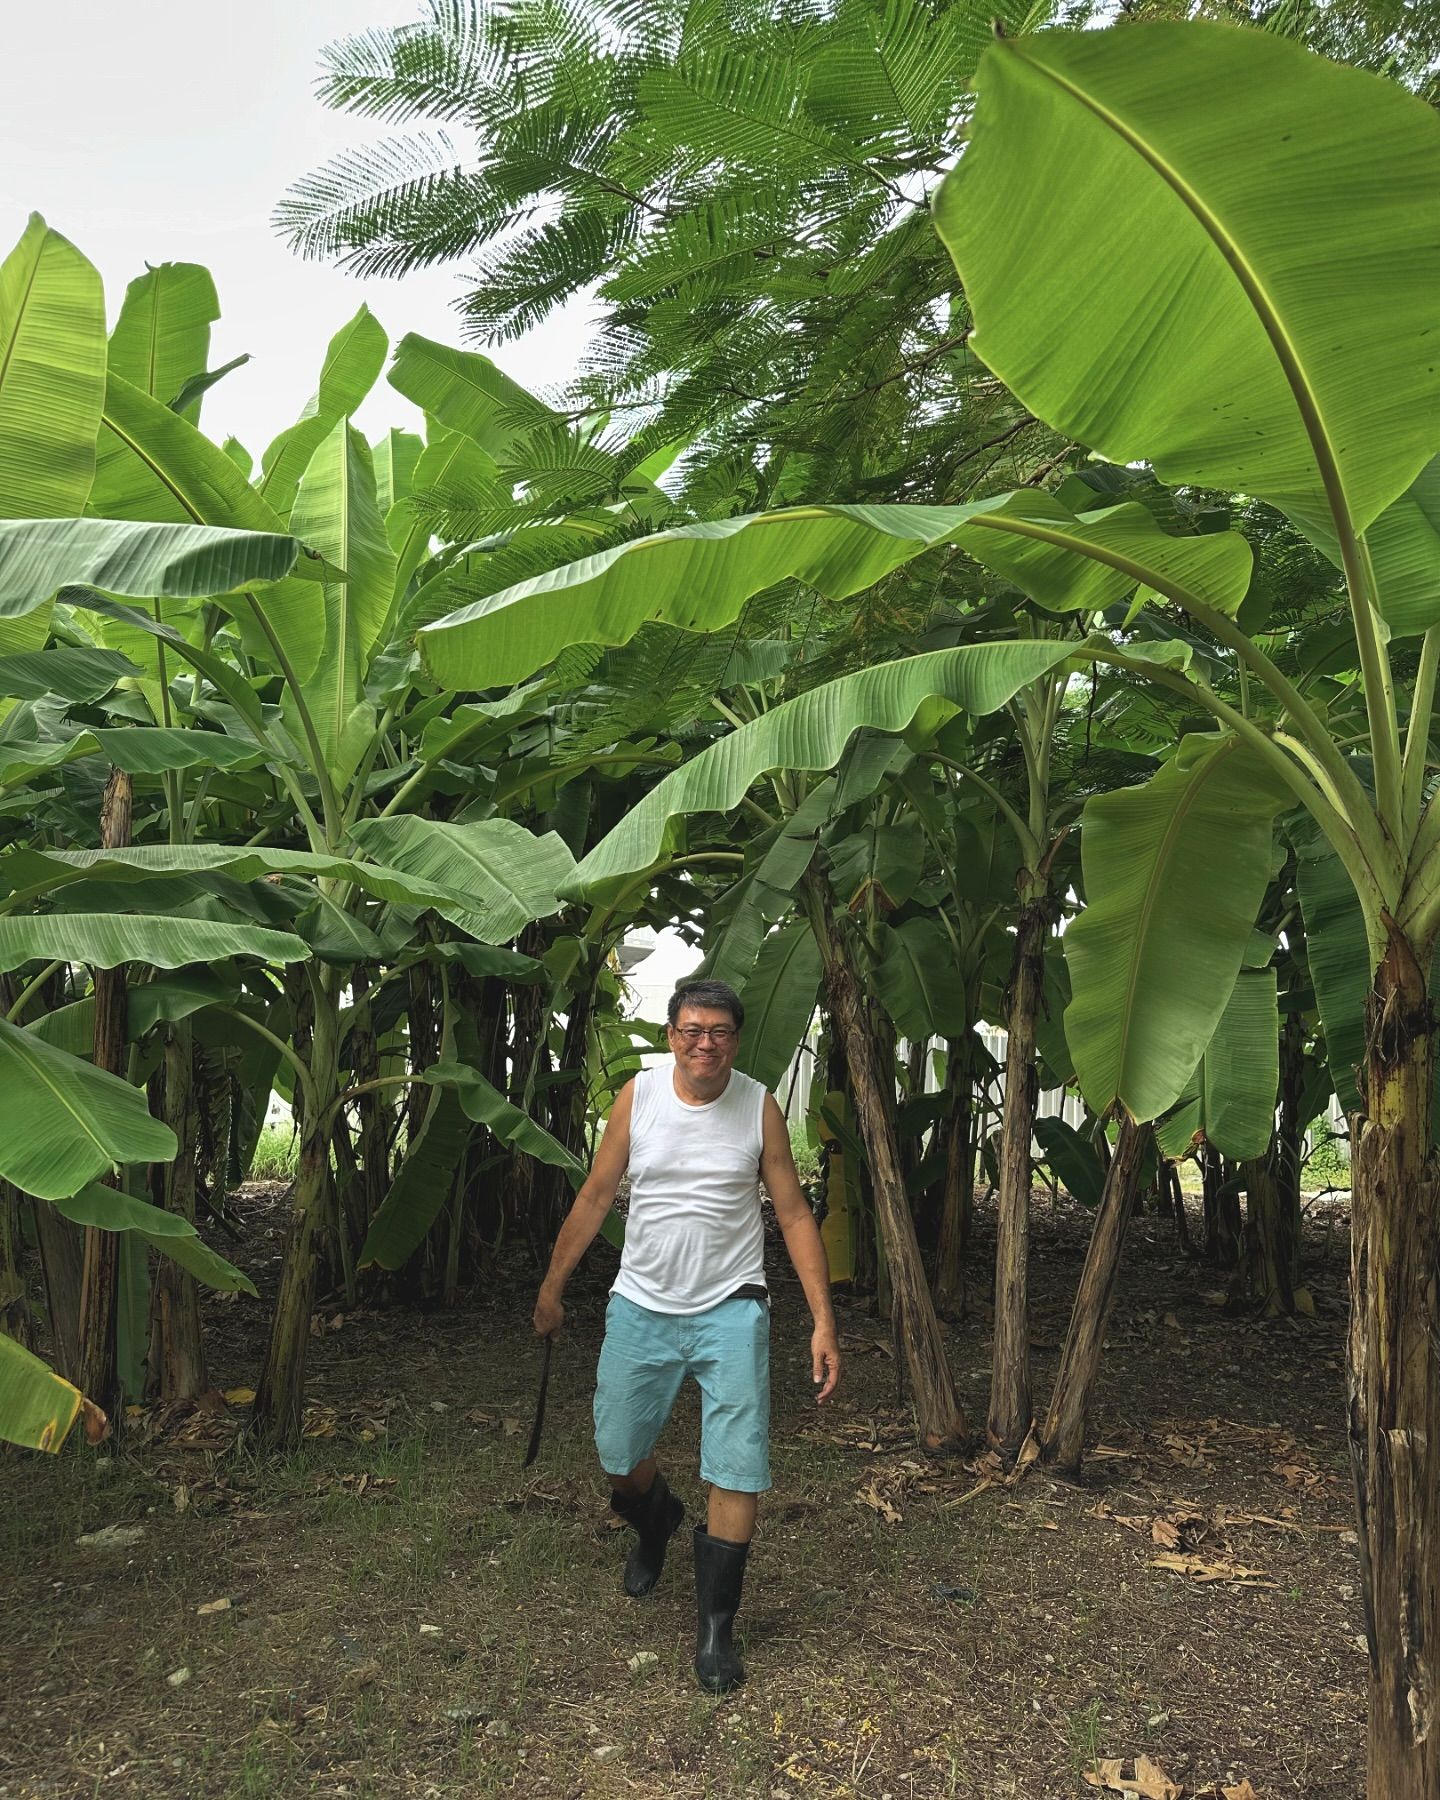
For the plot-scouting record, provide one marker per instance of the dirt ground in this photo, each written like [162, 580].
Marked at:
[398, 1610]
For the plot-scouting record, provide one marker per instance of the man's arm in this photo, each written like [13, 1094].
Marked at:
[587, 1214]
[802, 1240]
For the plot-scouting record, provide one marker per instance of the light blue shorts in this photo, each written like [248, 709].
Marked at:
[643, 1363]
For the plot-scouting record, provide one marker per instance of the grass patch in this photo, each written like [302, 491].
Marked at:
[276, 1154]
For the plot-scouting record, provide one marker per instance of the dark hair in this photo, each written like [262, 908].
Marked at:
[706, 993]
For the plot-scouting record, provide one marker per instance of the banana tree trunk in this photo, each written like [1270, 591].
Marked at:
[1394, 1381]
[959, 1190]
[1010, 1404]
[567, 1097]
[1270, 1256]
[97, 1369]
[1062, 1440]
[16, 1320]
[372, 1181]
[917, 1328]
[1222, 1210]
[177, 1353]
[280, 1393]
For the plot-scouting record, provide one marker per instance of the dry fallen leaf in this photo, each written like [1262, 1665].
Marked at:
[1243, 1792]
[887, 1509]
[1149, 1782]
[213, 1606]
[1198, 1569]
[241, 1396]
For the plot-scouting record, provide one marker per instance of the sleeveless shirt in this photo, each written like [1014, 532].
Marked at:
[693, 1232]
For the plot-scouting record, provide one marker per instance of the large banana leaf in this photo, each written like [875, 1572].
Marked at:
[112, 1209]
[466, 391]
[223, 674]
[1174, 874]
[336, 513]
[1072, 1159]
[336, 935]
[1240, 259]
[37, 556]
[31, 870]
[155, 465]
[1337, 951]
[486, 1105]
[779, 996]
[918, 982]
[811, 732]
[698, 577]
[107, 939]
[151, 749]
[167, 998]
[19, 637]
[1085, 562]
[451, 465]
[62, 1122]
[1230, 1098]
[735, 928]
[70, 674]
[353, 361]
[1405, 550]
[489, 875]
[495, 872]
[422, 1185]
[52, 376]
[37, 1406]
[140, 750]
[886, 859]
[397, 456]
[161, 340]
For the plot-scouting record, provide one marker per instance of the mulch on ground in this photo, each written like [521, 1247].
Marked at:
[399, 1610]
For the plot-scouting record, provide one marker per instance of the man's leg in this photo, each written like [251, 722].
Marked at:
[637, 1482]
[732, 1515]
[639, 1376]
[732, 1366]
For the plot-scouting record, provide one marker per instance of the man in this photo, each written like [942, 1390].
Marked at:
[697, 1138]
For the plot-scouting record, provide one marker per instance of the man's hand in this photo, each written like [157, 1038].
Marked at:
[825, 1361]
[549, 1314]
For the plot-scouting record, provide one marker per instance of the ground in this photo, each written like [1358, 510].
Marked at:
[399, 1610]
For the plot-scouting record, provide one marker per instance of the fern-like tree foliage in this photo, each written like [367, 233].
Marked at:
[741, 185]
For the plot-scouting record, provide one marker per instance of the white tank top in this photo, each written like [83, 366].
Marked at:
[693, 1233]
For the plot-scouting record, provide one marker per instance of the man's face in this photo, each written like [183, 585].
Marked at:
[705, 1041]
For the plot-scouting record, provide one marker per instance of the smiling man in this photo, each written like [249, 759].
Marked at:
[698, 1138]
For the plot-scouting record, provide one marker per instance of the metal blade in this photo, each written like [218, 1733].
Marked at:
[539, 1424]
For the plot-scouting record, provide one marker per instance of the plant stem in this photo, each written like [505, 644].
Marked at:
[31, 988]
[302, 1073]
[1417, 736]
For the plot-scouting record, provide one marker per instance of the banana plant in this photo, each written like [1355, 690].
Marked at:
[1179, 318]
[249, 681]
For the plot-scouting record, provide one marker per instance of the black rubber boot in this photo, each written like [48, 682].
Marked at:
[655, 1517]
[719, 1578]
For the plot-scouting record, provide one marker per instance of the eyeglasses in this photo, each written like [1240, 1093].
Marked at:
[718, 1034]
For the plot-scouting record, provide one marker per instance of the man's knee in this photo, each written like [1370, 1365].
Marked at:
[637, 1481]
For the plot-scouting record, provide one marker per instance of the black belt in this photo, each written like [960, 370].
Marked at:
[752, 1290]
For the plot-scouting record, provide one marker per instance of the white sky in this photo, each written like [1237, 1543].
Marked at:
[165, 131]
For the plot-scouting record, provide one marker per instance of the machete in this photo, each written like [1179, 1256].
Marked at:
[539, 1424]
